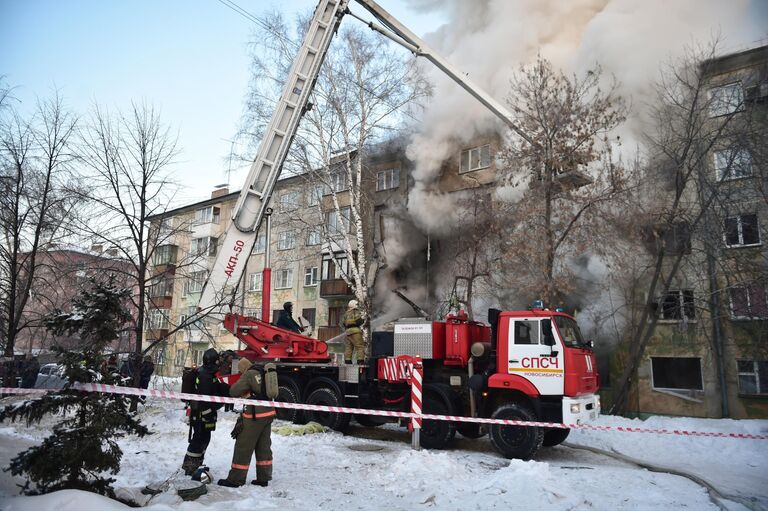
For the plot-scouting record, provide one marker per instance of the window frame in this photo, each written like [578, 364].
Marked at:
[387, 179]
[730, 156]
[480, 165]
[682, 306]
[278, 276]
[336, 214]
[161, 315]
[749, 298]
[715, 103]
[260, 245]
[740, 231]
[255, 278]
[283, 239]
[202, 217]
[210, 247]
[286, 205]
[676, 390]
[313, 273]
[755, 373]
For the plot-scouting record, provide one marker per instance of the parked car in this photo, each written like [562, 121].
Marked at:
[51, 376]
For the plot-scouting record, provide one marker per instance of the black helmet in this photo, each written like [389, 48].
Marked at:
[210, 357]
[288, 306]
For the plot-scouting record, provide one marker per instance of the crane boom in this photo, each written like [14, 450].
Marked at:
[249, 211]
[247, 216]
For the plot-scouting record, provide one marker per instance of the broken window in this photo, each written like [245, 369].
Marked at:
[749, 302]
[677, 304]
[677, 238]
[742, 230]
[387, 179]
[681, 373]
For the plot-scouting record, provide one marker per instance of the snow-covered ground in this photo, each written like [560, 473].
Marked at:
[324, 472]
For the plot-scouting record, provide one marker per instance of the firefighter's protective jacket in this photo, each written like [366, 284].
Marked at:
[251, 384]
[352, 321]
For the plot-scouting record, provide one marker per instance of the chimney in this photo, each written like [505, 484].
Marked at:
[219, 191]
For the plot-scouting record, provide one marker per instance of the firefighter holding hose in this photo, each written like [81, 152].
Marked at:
[353, 320]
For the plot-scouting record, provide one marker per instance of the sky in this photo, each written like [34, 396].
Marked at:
[189, 58]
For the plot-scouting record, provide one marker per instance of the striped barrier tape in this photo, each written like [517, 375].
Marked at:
[164, 394]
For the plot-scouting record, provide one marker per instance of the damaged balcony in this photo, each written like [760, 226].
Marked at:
[335, 288]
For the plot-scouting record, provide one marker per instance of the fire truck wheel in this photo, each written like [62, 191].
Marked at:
[287, 393]
[555, 436]
[325, 396]
[436, 434]
[469, 430]
[516, 441]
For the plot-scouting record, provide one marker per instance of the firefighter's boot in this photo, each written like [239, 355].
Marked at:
[228, 483]
[191, 463]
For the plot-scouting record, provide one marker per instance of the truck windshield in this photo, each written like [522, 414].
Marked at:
[569, 331]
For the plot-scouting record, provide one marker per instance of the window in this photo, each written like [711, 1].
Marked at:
[160, 357]
[311, 274]
[749, 302]
[197, 357]
[166, 227]
[261, 244]
[475, 159]
[252, 312]
[184, 319]
[387, 179]
[569, 331]
[337, 222]
[335, 268]
[158, 319]
[726, 99]
[283, 279]
[676, 373]
[741, 231]
[753, 376]
[289, 201]
[163, 287]
[337, 181]
[195, 281]
[180, 357]
[209, 215]
[315, 195]
[286, 240]
[677, 305]
[254, 282]
[204, 246]
[314, 236]
[677, 238]
[733, 163]
[526, 331]
[165, 254]
[309, 315]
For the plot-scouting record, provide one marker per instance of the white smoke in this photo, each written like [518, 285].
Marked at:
[490, 39]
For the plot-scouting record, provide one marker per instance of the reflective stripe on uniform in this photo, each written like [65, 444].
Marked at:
[206, 411]
[259, 415]
[265, 462]
[194, 454]
[240, 467]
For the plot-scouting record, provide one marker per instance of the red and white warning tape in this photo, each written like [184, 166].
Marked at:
[164, 394]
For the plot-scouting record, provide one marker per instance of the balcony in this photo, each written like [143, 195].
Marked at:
[328, 332]
[335, 288]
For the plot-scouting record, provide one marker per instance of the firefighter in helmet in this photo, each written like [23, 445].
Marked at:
[352, 321]
[285, 319]
[203, 414]
[253, 430]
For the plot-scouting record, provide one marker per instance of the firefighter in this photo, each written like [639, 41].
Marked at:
[254, 427]
[352, 322]
[285, 319]
[203, 414]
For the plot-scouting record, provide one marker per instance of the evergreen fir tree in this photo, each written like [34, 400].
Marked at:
[82, 449]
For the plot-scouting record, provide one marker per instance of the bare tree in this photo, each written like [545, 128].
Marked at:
[36, 204]
[361, 97]
[558, 181]
[681, 197]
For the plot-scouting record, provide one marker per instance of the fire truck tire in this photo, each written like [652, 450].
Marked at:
[555, 436]
[436, 434]
[288, 393]
[516, 441]
[326, 396]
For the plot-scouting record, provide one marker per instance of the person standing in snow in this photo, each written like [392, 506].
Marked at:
[147, 370]
[352, 322]
[203, 414]
[253, 433]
